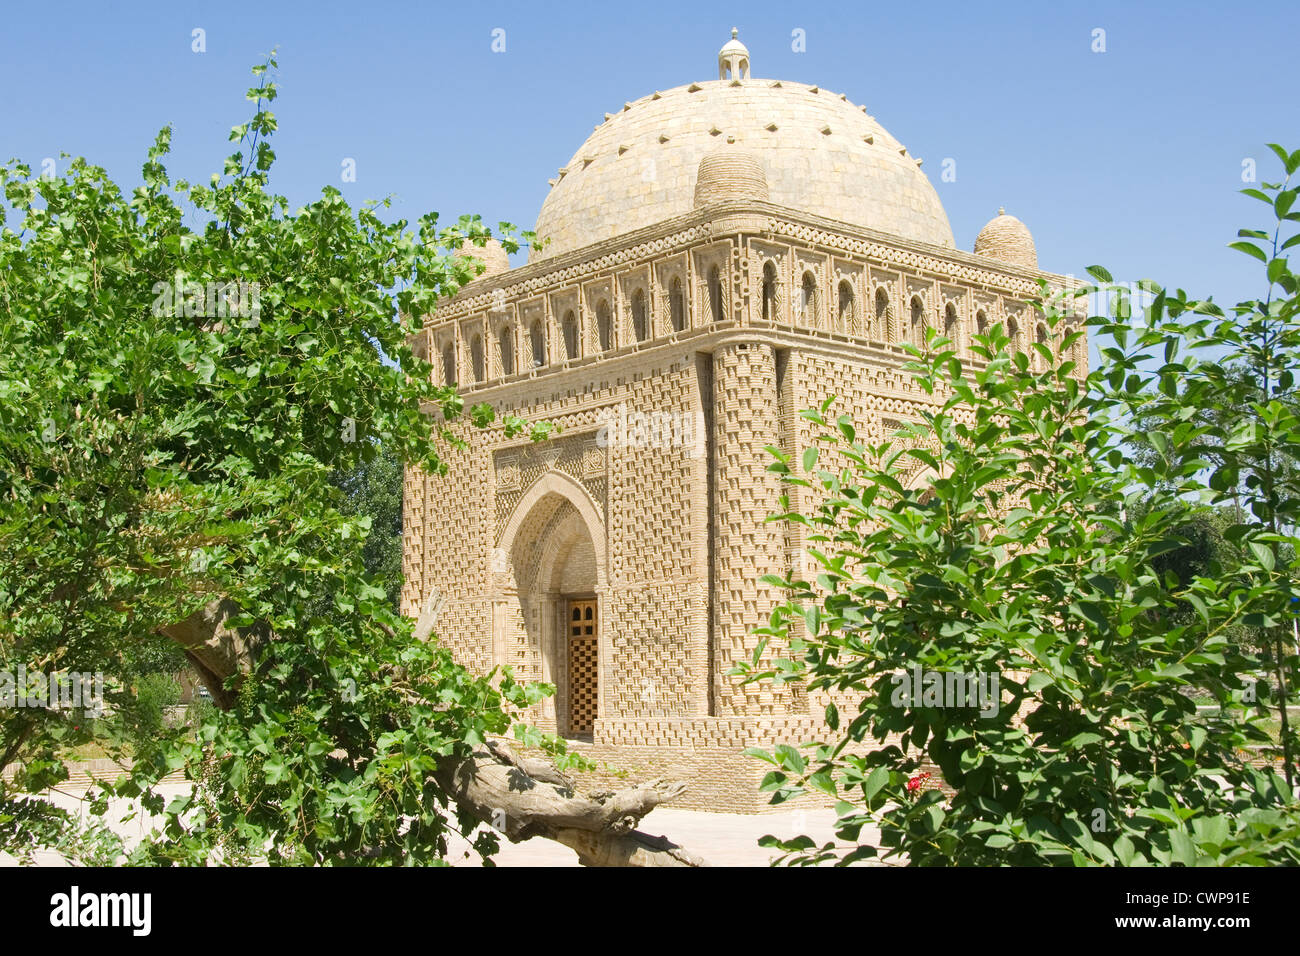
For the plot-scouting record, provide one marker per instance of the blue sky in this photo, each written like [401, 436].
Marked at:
[1130, 158]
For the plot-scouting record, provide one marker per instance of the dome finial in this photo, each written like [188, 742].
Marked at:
[733, 59]
[1002, 210]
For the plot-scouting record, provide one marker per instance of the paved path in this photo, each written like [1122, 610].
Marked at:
[723, 839]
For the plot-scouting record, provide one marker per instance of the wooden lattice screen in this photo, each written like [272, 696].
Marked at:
[583, 667]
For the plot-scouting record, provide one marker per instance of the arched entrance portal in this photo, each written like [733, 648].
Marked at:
[555, 544]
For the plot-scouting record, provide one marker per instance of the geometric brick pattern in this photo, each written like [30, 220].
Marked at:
[650, 671]
[747, 545]
[652, 545]
[516, 469]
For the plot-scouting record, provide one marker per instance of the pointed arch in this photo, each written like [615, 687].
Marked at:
[572, 491]
[569, 330]
[919, 322]
[717, 302]
[537, 339]
[808, 311]
[847, 319]
[506, 346]
[884, 316]
[951, 326]
[640, 316]
[449, 364]
[769, 300]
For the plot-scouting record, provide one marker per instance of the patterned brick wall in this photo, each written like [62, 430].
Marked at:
[666, 524]
[746, 546]
[657, 528]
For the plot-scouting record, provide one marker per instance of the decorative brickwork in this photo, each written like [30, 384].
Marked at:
[697, 334]
[517, 469]
[747, 547]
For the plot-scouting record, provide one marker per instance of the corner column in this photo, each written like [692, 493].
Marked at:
[746, 420]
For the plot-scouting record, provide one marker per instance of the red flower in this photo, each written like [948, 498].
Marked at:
[914, 784]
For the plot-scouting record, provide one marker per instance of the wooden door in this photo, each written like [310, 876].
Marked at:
[584, 667]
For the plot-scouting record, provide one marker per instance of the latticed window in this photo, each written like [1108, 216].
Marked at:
[449, 364]
[604, 326]
[570, 329]
[476, 357]
[584, 667]
[677, 306]
[640, 316]
[537, 336]
[506, 345]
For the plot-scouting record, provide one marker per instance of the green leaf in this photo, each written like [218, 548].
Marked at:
[877, 779]
[1263, 554]
[1183, 848]
[1249, 248]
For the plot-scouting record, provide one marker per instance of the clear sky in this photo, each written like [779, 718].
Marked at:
[1130, 157]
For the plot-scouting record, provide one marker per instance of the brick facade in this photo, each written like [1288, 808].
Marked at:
[699, 337]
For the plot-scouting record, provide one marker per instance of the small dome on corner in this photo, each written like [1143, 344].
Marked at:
[1008, 240]
[730, 172]
[492, 255]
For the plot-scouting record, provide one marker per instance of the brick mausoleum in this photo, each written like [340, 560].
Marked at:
[718, 256]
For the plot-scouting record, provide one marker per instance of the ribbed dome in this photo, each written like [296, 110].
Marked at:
[492, 255]
[730, 173]
[819, 153]
[1007, 239]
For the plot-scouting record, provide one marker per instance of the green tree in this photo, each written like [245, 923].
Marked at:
[374, 490]
[174, 404]
[1015, 564]
[1244, 390]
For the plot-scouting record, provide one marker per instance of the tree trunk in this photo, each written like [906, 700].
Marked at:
[522, 797]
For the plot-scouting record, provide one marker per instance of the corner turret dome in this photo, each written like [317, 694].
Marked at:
[1008, 240]
[492, 254]
[731, 172]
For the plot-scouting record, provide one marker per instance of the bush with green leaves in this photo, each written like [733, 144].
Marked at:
[154, 693]
[1035, 556]
[176, 402]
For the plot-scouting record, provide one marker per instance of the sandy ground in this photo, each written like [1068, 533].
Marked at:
[723, 839]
